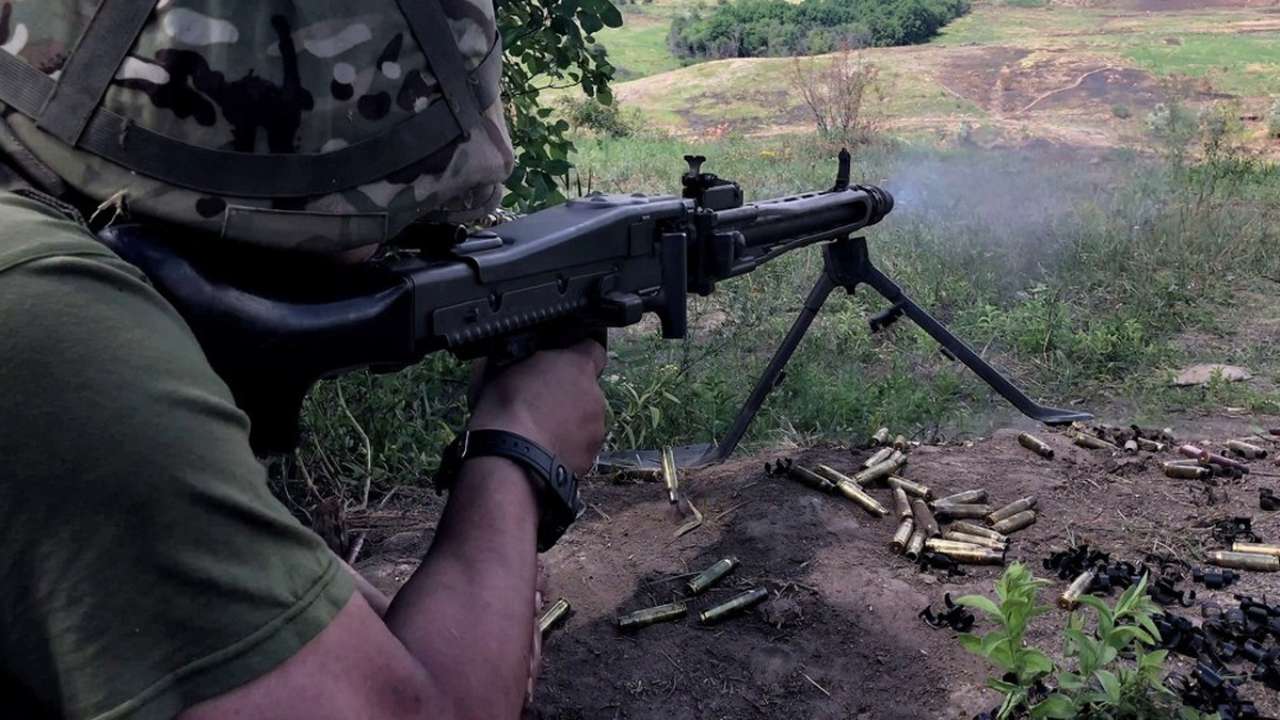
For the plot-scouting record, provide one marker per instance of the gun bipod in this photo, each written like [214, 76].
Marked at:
[847, 264]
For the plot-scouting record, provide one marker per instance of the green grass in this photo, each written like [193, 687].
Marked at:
[1237, 64]
[639, 48]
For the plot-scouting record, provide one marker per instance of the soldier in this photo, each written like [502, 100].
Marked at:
[146, 572]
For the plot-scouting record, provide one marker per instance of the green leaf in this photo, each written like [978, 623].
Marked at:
[1056, 705]
[1036, 662]
[972, 643]
[1070, 681]
[1110, 683]
[979, 602]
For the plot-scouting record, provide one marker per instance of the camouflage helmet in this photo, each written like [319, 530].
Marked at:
[321, 125]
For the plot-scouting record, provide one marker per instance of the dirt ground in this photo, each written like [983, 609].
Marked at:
[840, 636]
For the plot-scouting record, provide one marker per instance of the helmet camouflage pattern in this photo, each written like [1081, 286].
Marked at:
[321, 125]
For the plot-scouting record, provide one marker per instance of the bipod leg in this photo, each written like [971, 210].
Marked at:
[954, 346]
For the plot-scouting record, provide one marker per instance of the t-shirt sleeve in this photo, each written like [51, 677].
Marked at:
[145, 565]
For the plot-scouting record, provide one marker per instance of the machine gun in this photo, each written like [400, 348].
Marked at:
[273, 327]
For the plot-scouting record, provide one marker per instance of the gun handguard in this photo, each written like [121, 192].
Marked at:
[271, 329]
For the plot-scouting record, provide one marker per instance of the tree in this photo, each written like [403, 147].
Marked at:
[549, 43]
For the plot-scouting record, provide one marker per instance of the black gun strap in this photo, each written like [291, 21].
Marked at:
[112, 30]
[255, 175]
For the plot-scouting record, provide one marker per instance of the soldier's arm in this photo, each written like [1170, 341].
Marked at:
[455, 643]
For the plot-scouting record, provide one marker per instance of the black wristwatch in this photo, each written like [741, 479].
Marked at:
[557, 486]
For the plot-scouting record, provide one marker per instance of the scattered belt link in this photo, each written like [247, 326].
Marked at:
[1267, 500]
[955, 616]
[1230, 530]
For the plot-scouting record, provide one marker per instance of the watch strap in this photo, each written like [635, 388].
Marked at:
[557, 485]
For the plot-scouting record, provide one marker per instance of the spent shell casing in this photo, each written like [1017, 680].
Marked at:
[967, 511]
[963, 498]
[900, 443]
[1022, 520]
[901, 504]
[1256, 548]
[915, 545]
[670, 474]
[553, 615]
[1131, 446]
[879, 472]
[925, 521]
[911, 487]
[880, 437]
[972, 529]
[902, 536]
[943, 546]
[851, 490]
[1036, 445]
[649, 616]
[1090, 442]
[1186, 472]
[980, 541]
[971, 554]
[878, 457]
[1246, 450]
[733, 607]
[1070, 599]
[1244, 561]
[1149, 445]
[1013, 508]
[711, 575]
[832, 474]
[810, 478]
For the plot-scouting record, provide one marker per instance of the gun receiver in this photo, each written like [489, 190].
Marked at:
[544, 280]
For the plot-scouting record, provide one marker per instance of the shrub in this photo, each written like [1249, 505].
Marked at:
[1121, 111]
[1273, 122]
[760, 28]
[597, 117]
[838, 92]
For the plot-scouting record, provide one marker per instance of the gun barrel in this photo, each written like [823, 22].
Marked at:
[807, 218]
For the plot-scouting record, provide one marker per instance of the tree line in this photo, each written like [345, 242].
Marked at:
[763, 28]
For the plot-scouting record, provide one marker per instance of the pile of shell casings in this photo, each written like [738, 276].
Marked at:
[696, 585]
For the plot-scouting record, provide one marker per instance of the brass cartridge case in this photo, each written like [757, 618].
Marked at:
[902, 537]
[1131, 446]
[1013, 508]
[1036, 445]
[649, 616]
[957, 536]
[962, 512]
[1246, 450]
[900, 443]
[925, 522]
[1193, 452]
[810, 478]
[1256, 548]
[972, 529]
[962, 498]
[880, 437]
[711, 575]
[850, 490]
[912, 488]
[878, 457]
[1149, 445]
[915, 545]
[553, 615]
[879, 472]
[970, 554]
[1092, 443]
[671, 475]
[733, 607]
[901, 504]
[944, 546]
[1186, 472]
[1070, 599]
[1022, 520]
[832, 474]
[1205, 456]
[1244, 561]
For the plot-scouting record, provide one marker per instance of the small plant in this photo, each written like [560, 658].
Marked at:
[841, 93]
[597, 117]
[1273, 121]
[1097, 679]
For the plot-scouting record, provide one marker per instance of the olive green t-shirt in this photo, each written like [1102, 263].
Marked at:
[144, 565]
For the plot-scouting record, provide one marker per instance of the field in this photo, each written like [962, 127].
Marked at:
[1040, 213]
[1056, 72]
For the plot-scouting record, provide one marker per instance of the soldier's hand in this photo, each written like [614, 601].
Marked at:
[554, 399]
